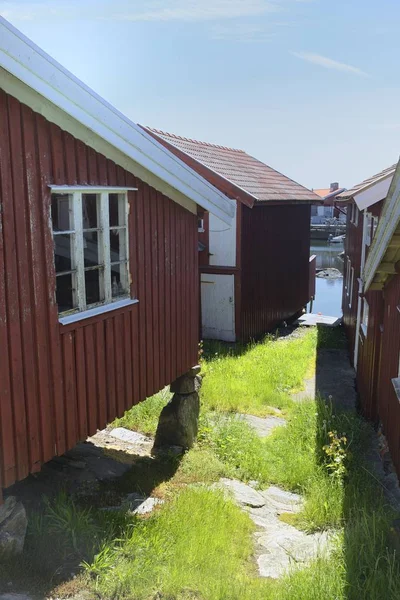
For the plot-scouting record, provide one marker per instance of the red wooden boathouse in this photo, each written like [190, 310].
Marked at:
[256, 273]
[371, 299]
[98, 260]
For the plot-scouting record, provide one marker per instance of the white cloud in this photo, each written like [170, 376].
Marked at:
[141, 10]
[241, 32]
[328, 63]
[197, 10]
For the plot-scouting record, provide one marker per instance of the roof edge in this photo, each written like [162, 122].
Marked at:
[20, 57]
[227, 186]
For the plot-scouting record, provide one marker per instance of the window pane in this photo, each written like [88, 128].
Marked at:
[119, 280]
[92, 282]
[61, 212]
[118, 245]
[63, 252]
[91, 248]
[117, 208]
[64, 292]
[90, 211]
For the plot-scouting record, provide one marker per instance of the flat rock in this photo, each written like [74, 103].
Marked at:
[243, 494]
[285, 546]
[282, 501]
[263, 426]
[128, 436]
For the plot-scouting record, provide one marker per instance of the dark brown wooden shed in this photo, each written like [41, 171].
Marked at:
[256, 273]
[98, 260]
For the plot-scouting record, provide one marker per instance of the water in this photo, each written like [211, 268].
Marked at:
[328, 295]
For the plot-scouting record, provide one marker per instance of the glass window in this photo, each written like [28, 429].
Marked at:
[91, 253]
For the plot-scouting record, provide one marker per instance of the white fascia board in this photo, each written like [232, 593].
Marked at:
[373, 194]
[387, 226]
[31, 65]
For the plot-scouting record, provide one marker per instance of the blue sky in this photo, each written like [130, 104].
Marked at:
[308, 86]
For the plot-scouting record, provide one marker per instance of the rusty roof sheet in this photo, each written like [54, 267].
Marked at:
[245, 172]
[367, 183]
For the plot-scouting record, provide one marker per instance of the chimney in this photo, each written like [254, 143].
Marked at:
[334, 186]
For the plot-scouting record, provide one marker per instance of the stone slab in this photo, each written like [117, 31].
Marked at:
[311, 320]
[263, 426]
[243, 494]
[128, 436]
[282, 501]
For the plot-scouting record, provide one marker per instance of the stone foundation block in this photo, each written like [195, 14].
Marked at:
[13, 524]
[179, 421]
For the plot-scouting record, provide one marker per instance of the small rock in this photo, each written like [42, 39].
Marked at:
[243, 494]
[147, 506]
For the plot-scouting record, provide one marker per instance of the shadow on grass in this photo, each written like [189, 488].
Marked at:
[68, 529]
[369, 544]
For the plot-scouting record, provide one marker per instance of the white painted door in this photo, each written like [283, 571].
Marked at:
[218, 307]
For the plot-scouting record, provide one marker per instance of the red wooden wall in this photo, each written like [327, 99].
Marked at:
[275, 265]
[369, 354]
[389, 405]
[58, 384]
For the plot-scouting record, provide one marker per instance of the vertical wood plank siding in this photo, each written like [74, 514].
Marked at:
[273, 236]
[389, 405]
[58, 384]
[352, 249]
[369, 357]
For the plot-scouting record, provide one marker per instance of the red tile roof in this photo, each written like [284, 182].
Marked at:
[322, 192]
[246, 173]
[367, 183]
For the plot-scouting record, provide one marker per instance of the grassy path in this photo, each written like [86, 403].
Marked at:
[199, 545]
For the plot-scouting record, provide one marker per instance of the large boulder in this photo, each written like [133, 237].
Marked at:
[179, 421]
[13, 524]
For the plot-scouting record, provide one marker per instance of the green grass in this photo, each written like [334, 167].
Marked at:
[144, 416]
[198, 545]
[259, 377]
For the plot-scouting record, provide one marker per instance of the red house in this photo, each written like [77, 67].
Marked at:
[256, 273]
[372, 306]
[98, 260]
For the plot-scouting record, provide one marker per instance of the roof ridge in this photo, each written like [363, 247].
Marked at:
[193, 141]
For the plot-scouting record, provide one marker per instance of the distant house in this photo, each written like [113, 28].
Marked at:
[99, 284]
[364, 204]
[376, 323]
[256, 273]
[329, 209]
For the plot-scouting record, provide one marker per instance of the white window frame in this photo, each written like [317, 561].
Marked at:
[347, 282]
[365, 317]
[354, 215]
[369, 227]
[82, 311]
[351, 286]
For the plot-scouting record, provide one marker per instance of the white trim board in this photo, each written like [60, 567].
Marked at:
[66, 94]
[388, 223]
[373, 194]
